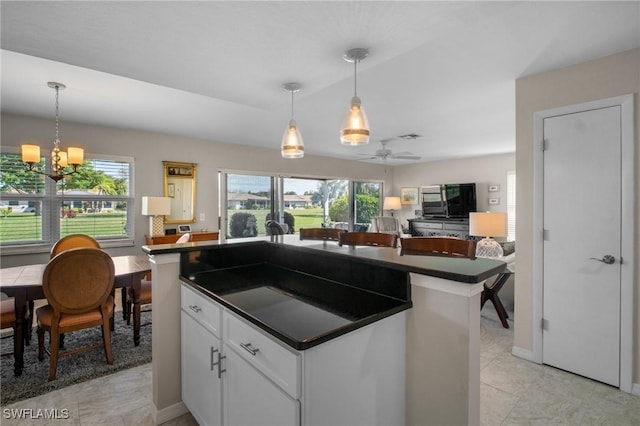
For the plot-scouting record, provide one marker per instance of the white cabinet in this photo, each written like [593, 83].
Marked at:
[250, 399]
[357, 378]
[201, 387]
[201, 358]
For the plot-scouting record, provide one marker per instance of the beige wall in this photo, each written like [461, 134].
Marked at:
[150, 149]
[615, 75]
[484, 171]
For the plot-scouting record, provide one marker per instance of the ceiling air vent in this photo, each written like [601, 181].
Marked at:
[410, 136]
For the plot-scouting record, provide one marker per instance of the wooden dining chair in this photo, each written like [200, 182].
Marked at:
[324, 234]
[135, 301]
[379, 239]
[8, 320]
[77, 284]
[64, 243]
[435, 246]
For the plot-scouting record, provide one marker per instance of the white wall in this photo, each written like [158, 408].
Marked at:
[614, 75]
[150, 149]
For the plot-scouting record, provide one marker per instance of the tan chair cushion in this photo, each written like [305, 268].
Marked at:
[72, 321]
[145, 292]
[7, 313]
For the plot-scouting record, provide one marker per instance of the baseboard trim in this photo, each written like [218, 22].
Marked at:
[523, 353]
[169, 413]
[635, 389]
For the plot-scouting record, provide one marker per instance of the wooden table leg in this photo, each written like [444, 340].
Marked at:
[19, 333]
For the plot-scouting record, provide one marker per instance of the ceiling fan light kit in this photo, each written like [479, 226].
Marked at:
[355, 126]
[292, 144]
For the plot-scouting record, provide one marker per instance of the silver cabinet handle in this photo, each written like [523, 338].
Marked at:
[213, 364]
[608, 259]
[195, 308]
[247, 346]
[218, 362]
[220, 370]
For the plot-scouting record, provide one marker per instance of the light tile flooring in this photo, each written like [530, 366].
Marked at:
[512, 392]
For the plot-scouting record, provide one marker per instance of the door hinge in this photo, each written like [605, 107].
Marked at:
[544, 145]
[544, 324]
[545, 235]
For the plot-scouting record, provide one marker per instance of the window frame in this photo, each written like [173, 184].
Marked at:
[51, 221]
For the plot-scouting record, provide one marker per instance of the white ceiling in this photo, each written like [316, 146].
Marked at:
[213, 70]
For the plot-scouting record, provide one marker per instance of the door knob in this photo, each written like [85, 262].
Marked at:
[608, 259]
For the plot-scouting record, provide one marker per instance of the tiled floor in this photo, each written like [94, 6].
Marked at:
[513, 392]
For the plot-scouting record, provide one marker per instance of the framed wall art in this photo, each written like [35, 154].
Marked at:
[409, 195]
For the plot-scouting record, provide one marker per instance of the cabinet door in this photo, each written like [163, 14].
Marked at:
[250, 399]
[201, 387]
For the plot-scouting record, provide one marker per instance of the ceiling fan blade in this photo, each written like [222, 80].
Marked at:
[405, 157]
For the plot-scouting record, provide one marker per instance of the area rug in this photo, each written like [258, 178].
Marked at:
[74, 368]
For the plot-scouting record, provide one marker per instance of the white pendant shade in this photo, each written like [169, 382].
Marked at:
[355, 127]
[292, 144]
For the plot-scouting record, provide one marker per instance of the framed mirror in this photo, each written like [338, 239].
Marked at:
[180, 187]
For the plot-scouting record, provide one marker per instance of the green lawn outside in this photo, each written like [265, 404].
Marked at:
[28, 227]
[303, 218]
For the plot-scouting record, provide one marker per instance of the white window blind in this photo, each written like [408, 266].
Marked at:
[97, 200]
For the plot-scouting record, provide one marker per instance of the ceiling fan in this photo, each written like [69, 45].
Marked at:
[385, 154]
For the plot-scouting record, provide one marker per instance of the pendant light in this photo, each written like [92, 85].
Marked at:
[59, 159]
[355, 127]
[292, 145]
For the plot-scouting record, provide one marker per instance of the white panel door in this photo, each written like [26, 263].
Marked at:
[582, 222]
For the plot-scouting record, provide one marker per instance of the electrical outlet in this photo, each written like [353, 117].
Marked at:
[201, 217]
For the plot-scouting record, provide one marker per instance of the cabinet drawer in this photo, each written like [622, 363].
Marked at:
[268, 356]
[425, 225]
[202, 310]
[456, 227]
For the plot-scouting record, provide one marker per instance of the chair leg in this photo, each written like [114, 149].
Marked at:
[54, 337]
[106, 340]
[40, 333]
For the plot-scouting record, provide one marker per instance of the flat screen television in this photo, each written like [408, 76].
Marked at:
[454, 200]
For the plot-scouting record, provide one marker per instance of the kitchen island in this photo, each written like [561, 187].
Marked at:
[442, 328]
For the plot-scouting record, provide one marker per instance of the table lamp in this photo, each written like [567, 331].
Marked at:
[156, 208]
[391, 203]
[488, 225]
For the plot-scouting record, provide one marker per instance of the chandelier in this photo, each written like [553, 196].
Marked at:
[59, 159]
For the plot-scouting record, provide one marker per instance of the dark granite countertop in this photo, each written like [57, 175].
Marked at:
[308, 292]
[469, 271]
[301, 310]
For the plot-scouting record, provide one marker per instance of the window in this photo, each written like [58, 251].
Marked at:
[299, 202]
[511, 206]
[35, 210]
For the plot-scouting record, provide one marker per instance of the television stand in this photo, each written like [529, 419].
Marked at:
[439, 227]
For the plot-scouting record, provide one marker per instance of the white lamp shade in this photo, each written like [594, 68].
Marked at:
[488, 224]
[292, 144]
[156, 206]
[75, 155]
[355, 127]
[392, 203]
[31, 153]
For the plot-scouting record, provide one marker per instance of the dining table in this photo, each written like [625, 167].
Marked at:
[24, 283]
